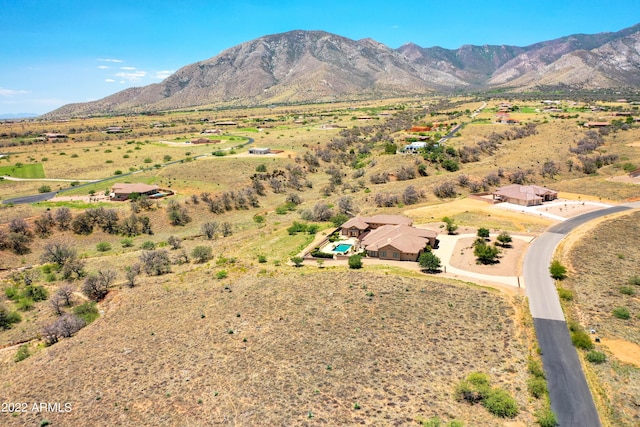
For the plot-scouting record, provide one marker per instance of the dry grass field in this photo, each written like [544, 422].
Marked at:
[602, 262]
[292, 348]
[268, 344]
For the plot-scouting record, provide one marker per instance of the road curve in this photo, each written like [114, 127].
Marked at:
[570, 396]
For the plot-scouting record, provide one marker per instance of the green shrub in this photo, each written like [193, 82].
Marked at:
[621, 313]
[35, 293]
[126, 243]
[222, 274]
[148, 245]
[557, 270]
[297, 261]
[201, 253]
[596, 357]
[44, 189]
[537, 387]
[500, 403]
[355, 262]
[87, 311]
[25, 304]
[581, 339]
[535, 368]
[565, 294]
[261, 168]
[627, 290]
[545, 417]
[262, 259]
[7, 318]
[103, 247]
[634, 280]
[23, 353]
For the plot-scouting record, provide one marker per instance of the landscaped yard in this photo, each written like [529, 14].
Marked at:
[19, 170]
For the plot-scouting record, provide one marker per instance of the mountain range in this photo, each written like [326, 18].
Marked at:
[316, 66]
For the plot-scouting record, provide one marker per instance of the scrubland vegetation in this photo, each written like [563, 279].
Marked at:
[207, 278]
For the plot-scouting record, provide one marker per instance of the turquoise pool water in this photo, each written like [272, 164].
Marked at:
[342, 247]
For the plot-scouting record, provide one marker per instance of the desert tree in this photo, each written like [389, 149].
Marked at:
[194, 199]
[347, 206]
[44, 224]
[56, 304]
[63, 218]
[227, 229]
[96, 286]
[73, 268]
[17, 242]
[484, 253]
[178, 215]
[174, 242]
[65, 294]
[355, 262]
[19, 226]
[210, 229]
[82, 224]
[450, 225]
[294, 199]
[131, 274]
[155, 262]
[445, 190]
[504, 239]
[550, 169]
[68, 324]
[57, 252]
[429, 261]
[322, 212]
[411, 196]
[201, 254]
[483, 232]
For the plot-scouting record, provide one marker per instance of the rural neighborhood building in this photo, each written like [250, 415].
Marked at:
[358, 225]
[398, 242]
[596, 124]
[114, 129]
[524, 195]
[414, 147]
[257, 150]
[635, 173]
[389, 237]
[125, 191]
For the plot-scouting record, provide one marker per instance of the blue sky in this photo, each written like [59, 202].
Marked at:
[53, 52]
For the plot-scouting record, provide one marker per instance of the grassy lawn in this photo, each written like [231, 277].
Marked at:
[19, 170]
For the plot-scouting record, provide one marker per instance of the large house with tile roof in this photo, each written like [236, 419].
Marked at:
[524, 195]
[390, 237]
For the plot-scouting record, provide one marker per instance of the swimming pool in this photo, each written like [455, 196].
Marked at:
[342, 247]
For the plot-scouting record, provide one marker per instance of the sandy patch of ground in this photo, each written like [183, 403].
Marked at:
[624, 351]
[569, 208]
[510, 258]
[86, 199]
[625, 178]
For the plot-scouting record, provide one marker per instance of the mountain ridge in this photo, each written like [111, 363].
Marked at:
[317, 66]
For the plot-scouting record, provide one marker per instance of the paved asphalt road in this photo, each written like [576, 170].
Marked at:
[571, 399]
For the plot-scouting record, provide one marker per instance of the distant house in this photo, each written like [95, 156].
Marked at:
[125, 191]
[524, 195]
[51, 135]
[114, 129]
[257, 150]
[596, 124]
[211, 132]
[414, 147]
[635, 173]
[226, 123]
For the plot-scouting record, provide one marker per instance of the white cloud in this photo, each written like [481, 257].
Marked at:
[109, 80]
[127, 68]
[103, 67]
[11, 92]
[163, 74]
[134, 76]
[110, 60]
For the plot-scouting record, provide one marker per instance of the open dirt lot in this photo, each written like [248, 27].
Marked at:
[292, 349]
